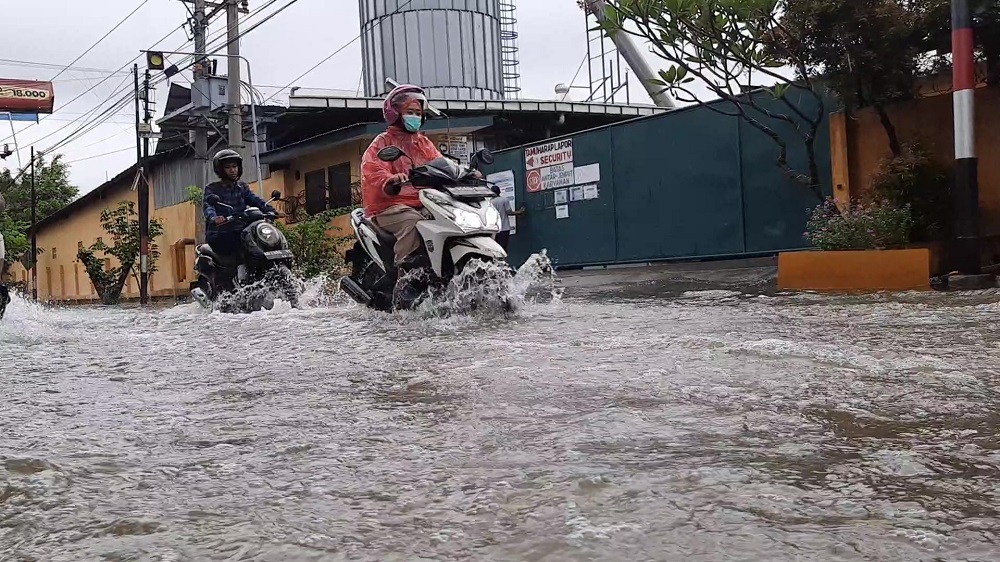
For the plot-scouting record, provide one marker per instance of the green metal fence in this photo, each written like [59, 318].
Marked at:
[684, 185]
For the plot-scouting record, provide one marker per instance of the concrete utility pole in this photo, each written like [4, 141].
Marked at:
[143, 187]
[235, 84]
[199, 29]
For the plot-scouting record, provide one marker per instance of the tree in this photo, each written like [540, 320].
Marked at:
[53, 191]
[731, 47]
[122, 226]
[867, 52]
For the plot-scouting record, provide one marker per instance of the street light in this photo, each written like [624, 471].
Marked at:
[253, 106]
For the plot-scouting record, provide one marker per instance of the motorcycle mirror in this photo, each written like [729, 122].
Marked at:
[213, 199]
[486, 157]
[275, 194]
[390, 154]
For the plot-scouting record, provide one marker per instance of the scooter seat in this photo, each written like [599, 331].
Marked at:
[385, 238]
[222, 260]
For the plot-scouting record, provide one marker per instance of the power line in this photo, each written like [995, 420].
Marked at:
[103, 80]
[131, 147]
[36, 64]
[105, 36]
[336, 52]
[89, 126]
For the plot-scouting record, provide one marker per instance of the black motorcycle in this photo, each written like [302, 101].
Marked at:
[263, 262]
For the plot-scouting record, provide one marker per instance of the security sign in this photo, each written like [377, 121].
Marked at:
[26, 96]
[549, 154]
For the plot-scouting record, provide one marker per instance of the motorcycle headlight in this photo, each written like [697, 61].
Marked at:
[468, 220]
[492, 218]
[268, 234]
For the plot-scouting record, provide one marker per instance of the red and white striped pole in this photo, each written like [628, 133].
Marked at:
[965, 195]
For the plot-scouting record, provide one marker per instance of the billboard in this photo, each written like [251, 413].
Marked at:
[26, 96]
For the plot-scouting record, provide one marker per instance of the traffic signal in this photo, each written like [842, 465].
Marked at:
[154, 60]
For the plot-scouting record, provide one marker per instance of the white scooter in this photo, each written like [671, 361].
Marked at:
[462, 228]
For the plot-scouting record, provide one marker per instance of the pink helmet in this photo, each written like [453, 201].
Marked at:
[399, 95]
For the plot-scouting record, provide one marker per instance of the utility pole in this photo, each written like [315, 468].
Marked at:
[235, 84]
[34, 235]
[199, 29]
[143, 187]
[965, 196]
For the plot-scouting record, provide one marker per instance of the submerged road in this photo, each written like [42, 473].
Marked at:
[701, 426]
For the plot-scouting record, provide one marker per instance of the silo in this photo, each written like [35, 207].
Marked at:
[450, 47]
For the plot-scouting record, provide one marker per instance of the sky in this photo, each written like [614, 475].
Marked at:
[44, 36]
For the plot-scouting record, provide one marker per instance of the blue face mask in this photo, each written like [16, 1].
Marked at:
[412, 122]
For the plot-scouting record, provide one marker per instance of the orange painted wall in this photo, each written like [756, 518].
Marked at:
[860, 143]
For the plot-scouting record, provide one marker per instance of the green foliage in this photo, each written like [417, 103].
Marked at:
[730, 47]
[195, 195]
[913, 179]
[878, 225]
[316, 253]
[53, 191]
[867, 52]
[122, 226]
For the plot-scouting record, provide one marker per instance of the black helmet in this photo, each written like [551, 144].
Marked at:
[224, 156]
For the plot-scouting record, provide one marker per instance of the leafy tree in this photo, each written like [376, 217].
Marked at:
[122, 226]
[867, 52]
[53, 191]
[731, 47]
[935, 31]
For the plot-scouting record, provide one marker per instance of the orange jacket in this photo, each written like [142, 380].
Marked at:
[376, 173]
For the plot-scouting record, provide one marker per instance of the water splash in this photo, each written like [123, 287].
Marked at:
[494, 289]
[278, 285]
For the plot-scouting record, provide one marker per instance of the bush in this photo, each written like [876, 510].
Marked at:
[914, 179]
[315, 252]
[877, 225]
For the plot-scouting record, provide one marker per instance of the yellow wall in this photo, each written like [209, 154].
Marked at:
[61, 277]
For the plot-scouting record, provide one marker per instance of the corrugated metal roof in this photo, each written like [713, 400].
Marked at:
[524, 106]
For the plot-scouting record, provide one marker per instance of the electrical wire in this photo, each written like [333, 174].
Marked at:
[338, 51]
[103, 80]
[123, 101]
[35, 64]
[132, 147]
[105, 36]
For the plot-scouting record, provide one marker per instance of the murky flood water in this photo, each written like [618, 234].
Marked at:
[709, 426]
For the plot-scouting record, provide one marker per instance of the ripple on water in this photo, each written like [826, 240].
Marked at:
[713, 426]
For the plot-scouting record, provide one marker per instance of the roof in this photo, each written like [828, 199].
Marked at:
[515, 121]
[544, 106]
[124, 178]
[458, 126]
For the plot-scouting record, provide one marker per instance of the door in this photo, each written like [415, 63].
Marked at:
[316, 192]
[340, 185]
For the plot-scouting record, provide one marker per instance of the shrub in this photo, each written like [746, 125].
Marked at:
[862, 227]
[316, 253]
[913, 179]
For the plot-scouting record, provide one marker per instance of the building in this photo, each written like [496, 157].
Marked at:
[61, 277]
[315, 148]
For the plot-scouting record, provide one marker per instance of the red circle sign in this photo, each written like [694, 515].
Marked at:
[534, 181]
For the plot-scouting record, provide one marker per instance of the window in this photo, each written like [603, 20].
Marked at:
[54, 255]
[79, 246]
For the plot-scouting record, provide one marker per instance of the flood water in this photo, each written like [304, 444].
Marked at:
[703, 426]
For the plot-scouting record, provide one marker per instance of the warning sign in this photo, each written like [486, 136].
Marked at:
[555, 177]
[549, 154]
[534, 181]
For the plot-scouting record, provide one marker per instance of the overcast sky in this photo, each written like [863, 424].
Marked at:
[553, 42]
